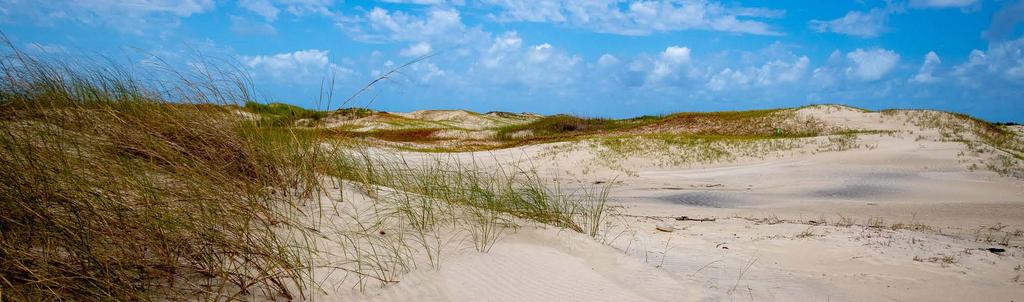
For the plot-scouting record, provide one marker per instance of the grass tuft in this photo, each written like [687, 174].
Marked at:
[113, 190]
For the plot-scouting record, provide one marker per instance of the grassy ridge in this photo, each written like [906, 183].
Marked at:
[736, 124]
[282, 115]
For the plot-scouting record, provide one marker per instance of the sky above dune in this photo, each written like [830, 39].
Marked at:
[594, 58]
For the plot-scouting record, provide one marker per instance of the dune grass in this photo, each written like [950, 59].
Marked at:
[1000, 150]
[120, 191]
[507, 189]
[112, 191]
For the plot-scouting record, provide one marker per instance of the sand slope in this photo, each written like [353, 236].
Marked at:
[905, 216]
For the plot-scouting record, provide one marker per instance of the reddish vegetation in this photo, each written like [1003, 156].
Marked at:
[756, 122]
[395, 135]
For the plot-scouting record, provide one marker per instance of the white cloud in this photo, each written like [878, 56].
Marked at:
[607, 60]
[420, 73]
[870, 65]
[428, 72]
[531, 11]
[1002, 62]
[294, 67]
[669, 62]
[305, 7]
[126, 16]
[244, 26]
[437, 25]
[403, 27]
[942, 3]
[507, 63]
[676, 55]
[261, 7]
[417, 50]
[420, 2]
[504, 46]
[639, 17]
[927, 71]
[861, 24]
[178, 8]
[772, 73]
[779, 72]
[270, 9]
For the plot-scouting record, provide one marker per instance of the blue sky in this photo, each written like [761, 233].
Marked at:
[595, 58]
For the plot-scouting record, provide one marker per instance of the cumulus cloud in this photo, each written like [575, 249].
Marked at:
[300, 66]
[306, 7]
[436, 25]
[676, 55]
[1002, 63]
[860, 24]
[261, 7]
[772, 73]
[670, 62]
[531, 11]
[420, 2]
[422, 73]
[502, 49]
[942, 3]
[126, 16]
[244, 26]
[607, 60]
[508, 63]
[926, 73]
[639, 17]
[870, 65]
[270, 9]
[417, 50]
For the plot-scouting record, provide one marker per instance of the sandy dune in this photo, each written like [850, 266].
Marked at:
[904, 217]
[368, 120]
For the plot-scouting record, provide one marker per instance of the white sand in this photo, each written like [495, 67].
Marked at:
[763, 245]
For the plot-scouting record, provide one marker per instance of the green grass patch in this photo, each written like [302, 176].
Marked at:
[564, 126]
[285, 115]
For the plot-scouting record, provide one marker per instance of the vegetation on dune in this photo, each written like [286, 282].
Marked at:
[394, 135]
[281, 114]
[772, 122]
[420, 212]
[564, 126]
[1001, 150]
[110, 192]
[114, 190]
[354, 113]
[685, 150]
[509, 190]
[736, 124]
